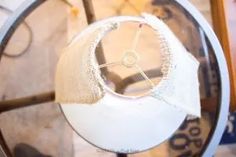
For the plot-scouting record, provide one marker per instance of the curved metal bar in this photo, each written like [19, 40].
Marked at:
[223, 109]
[14, 21]
[8, 12]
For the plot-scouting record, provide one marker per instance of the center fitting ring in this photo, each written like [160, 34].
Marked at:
[130, 59]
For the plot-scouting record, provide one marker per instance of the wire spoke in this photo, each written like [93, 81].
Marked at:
[144, 75]
[110, 64]
[136, 38]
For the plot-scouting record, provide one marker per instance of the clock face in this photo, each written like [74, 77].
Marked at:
[127, 121]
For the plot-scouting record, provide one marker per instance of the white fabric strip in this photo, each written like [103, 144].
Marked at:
[78, 77]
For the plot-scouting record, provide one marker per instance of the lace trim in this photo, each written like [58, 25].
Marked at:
[92, 64]
[167, 67]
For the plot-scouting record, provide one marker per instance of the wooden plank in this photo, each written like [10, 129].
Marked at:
[224, 23]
